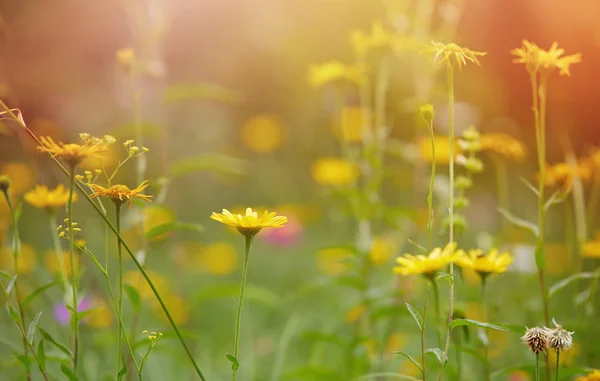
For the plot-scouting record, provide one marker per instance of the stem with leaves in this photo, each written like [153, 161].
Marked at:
[486, 349]
[74, 304]
[423, 330]
[120, 300]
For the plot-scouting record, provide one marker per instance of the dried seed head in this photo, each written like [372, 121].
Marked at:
[561, 339]
[537, 339]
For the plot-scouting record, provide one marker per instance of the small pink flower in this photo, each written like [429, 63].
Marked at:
[288, 235]
[62, 314]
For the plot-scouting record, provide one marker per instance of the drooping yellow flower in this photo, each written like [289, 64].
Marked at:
[331, 171]
[484, 264]
[27, 259]
[442, 149]
[250, 223]
[564, 173]
[334, 260]
[426, 265]
[445, 53]
[262, 133]
[121, 193]
[72, 153]
[334, 72]
[594, 376]
[44, 198]
[537, 59]
[504, 145]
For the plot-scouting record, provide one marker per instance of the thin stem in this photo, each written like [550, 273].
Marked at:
[594, 200]
[436, 296]
[238, 315]
[450, 75]
[137, 263]
[73, 311]
[486, 363]
[58, 250]
[431, 185]
[502, 188]
[15, 249]
[423, 331]
[537, 367]
[120, 300]
[557, 364]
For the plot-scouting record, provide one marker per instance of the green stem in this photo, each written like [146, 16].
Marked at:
[15, 249]
[137, 263]
[238, 315]
[593, 203]
[120, 300]
[423, 331]
[557, 363]
[431, 185]
[486, 363]
[537, 367]
[438, 315]
[450, 76]
[74, 310]
[503, 189]
[58, 250]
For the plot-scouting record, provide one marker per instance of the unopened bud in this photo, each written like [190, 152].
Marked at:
[427, 112]
[4, 183]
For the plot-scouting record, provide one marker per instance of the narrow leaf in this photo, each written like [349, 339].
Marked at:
[469, 322]
[134, 297]
[32, 325]
[13, 314]
[123, 371]
[68, 372]
[442, 275]
[19, 211]
[411, 359]
[558, 286]
[530, 186]
[49, 338]
[234, 362]
[5, 275]
[37, 292]
[171, 226]
[41, 354]
[557, 197]
[438, 354]
[421, 248]
[540, 257]
[416, 315]
[11, 284]
[520, 222]
[208, 162]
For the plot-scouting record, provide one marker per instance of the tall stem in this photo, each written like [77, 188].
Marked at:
[120, 299]
[15, 249]
[238, 315]
[74, 309]
[431, 185]
[503, 189]
[486, 362]
[450, 75]
[438, 315]
[537, 367]
[423, 331]
[58, 250]
[557, 363]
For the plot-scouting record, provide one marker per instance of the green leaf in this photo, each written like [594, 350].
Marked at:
[13, 314]
[209, 162]
[469, 322]
[49, 338]
[439, 354]
[19, 211]
[68, 372]
[416, 315]
[540, 258]
[25, 360]
[446, 276]
[41, 354]
[557, 197]
[520, 222]
[234, 362]
[11, 284]
[32, 325]
[421, 248]
[37, 292]
[411, 359]
[134, 297]
[171, 226]
[5, 275]
[530, 186]
[123, 371]
[558, 286]
[192, 91]
[351, 281]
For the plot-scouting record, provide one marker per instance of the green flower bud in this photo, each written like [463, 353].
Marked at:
[427, 112]
[461, 202]
[471, 134]
[472, 164]
[4, 183]
[463, 182]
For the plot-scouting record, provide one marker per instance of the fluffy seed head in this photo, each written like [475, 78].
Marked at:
[537, 339]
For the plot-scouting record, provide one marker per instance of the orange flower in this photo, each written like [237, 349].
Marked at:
[120, 193]
[72, 153]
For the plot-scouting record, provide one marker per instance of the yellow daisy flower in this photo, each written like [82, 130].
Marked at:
[72, 153]
[445, 53]
[334, 72]
[44, 198]
[594, 376]
[536, 58]
[484, 264]
[120, 193]
[563, 173]
[250, 224]
[427, 265]
[504, 145]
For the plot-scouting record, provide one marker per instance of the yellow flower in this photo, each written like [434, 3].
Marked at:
[44, 198]
[381, 250]
[536, 58]
[351, 124]
[178, 307]
[445, 53]
[137, 281]
[250, 224]
[379, 39]
[53, 265]
[594, 376]
[125, 58]
[155, 216]
[72, 153]
[484, 264]
[591, 248]
[262, 134]
[334, 261]
[504, 145]
[120, 193]
[334, 72]
[101, 314]
[564, 173]
[442, 149]
[27, 259]
[218, 258]
[20, 175]
[331, 171]
[427, 265]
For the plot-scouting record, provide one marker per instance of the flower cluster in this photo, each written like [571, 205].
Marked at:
[539, 339]
[462, 56]
[537, 59]
[73, 154]
[48, 199]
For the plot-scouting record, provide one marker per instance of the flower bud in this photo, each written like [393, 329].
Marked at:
[427, 112]
[471, 134]
[463, 182]
[4, 183]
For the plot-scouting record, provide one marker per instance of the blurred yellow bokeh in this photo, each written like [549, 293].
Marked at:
[218, 258]
[382, 249]
[27, 259]
[101, 315]
[178, 307]
[333, 261]
[349, 124]
[136, 280]
[331, 171]
[51, 260]
[262, 133]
